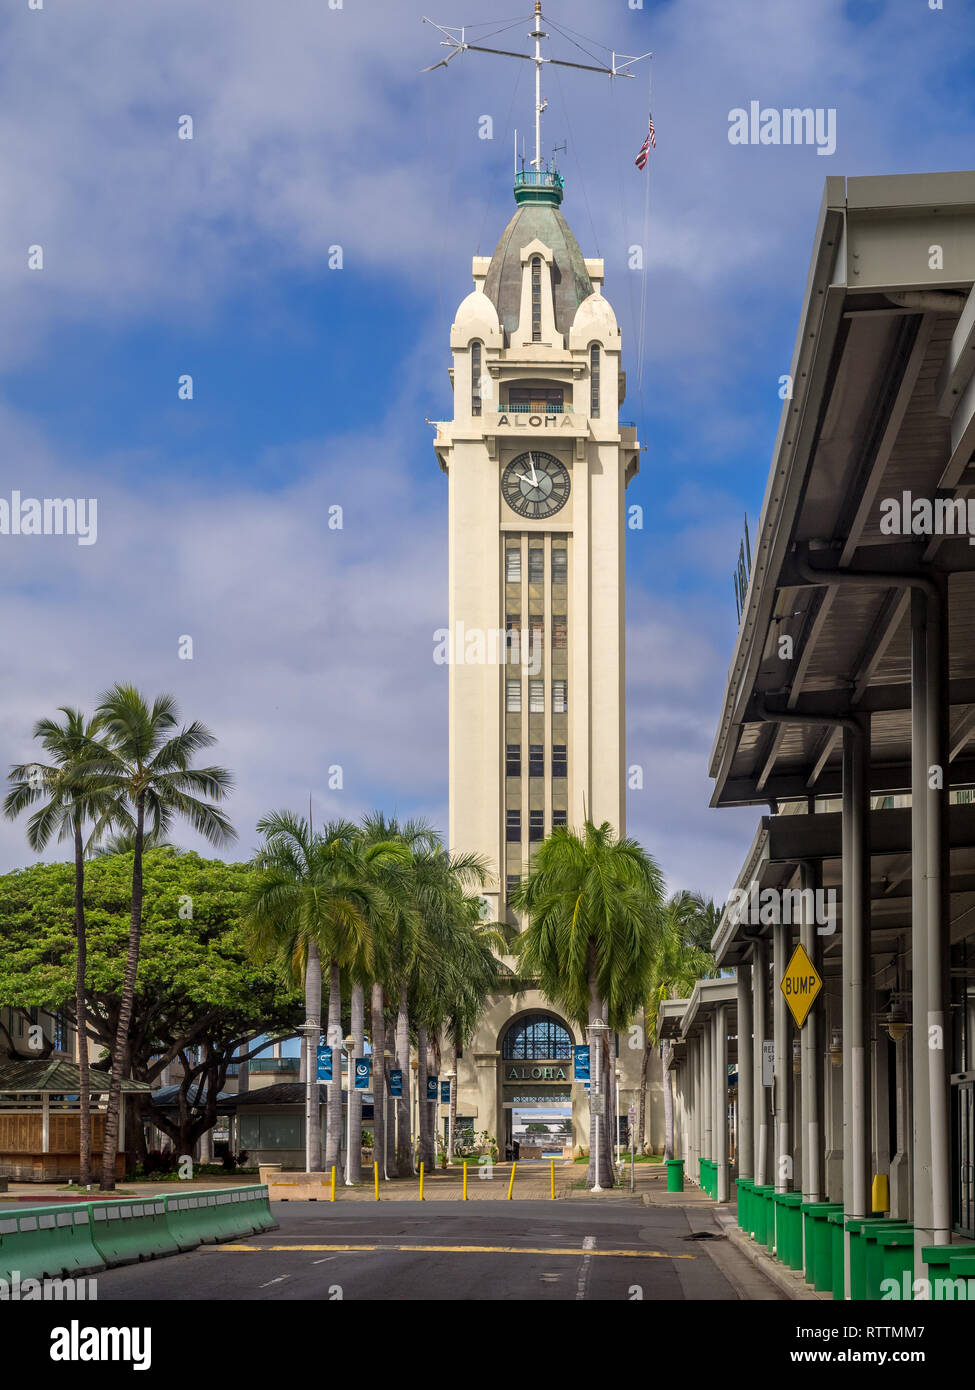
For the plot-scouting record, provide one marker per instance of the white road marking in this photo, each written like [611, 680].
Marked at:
[279, 1280]
[582, 1283]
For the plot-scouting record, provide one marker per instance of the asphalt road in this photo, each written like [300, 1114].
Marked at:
[526, 1250]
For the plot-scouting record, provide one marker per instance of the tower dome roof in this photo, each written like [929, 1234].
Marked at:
[542, 221]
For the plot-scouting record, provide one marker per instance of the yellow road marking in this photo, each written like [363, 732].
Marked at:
[455, 1250]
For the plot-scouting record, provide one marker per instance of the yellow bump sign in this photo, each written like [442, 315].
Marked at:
[800, 984]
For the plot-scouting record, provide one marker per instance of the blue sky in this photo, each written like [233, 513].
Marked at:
[313, 128]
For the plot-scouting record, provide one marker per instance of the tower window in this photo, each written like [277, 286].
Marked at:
[513, 825]
[475, 378]
[537, 1038]
[512, 760]
[536, 825]
[559, 818]
[560, 764]
[560, 632]
[560, 564]
[594, 381]
[536, 565]
[536, 760]
[536, 299]
[513, 696]
[559, 697]
[512, 881]
[536, 697]
[512, 564]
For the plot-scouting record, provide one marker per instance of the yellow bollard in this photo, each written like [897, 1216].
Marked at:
[421, 1182]
[375, 1178]
[465, 1180]
[333, 1182]
[553, 1179]
[511, 1180]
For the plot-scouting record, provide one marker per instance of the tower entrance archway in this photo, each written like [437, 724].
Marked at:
[536, 1086]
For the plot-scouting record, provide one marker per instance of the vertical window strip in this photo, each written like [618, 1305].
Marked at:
[536, 299]
[594, 381]
[475, 378]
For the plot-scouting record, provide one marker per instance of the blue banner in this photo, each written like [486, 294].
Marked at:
[324, 1055]
[363, 1069]
[432, 1091]
[396, 1083]
[580, 1055]
[445, 1093]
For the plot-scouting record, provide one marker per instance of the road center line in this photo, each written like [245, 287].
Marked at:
[449, 1250]
[582, 1283]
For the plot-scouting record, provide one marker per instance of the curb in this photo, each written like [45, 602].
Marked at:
[789, 1281]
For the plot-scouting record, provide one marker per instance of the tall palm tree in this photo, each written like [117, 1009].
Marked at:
[69, 800]
[679, 961]
[306, 904]
[595, 908]
[142, 762]
[123, 842]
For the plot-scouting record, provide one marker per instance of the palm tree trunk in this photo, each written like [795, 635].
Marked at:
[355, 1097]
[641, 1129]
[127, 1003]
[378, 1078]
[81, 1011]
[313, 1015]
[611, 1098]
[668, 1104]
[333, 1129]
[404, 1155]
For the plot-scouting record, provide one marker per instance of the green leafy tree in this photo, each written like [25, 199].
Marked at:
[595, 906]
[200, 997]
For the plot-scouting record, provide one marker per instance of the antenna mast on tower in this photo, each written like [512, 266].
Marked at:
[455, 40]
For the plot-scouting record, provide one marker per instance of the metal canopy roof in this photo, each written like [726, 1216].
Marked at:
[58, 1077]
[883, 402]
[706, 996]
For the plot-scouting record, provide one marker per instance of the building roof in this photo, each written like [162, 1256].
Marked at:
[570, 278]
[284, 1093]
[877, 408]
[49, 1074]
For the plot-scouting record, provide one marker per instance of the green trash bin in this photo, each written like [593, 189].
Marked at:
[788, 1228]
[937, 1258]
[818, 1243]
[837, 1225]
[858, 1228]
[764, 1215]
[890, 1254]
[743, 1196]
[675, 1175]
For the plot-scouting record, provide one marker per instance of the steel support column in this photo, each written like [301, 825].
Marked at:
[707, 1109]
[782, 1041]
[760, 1098]
[745, 1153]
[855, 972]
[812, 1036]
[721, 1099]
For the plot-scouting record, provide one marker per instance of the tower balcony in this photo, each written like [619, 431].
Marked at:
[539, 186]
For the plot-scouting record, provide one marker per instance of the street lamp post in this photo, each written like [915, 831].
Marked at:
[414, 1069]
[597, 1028]
[309, 1031]
[387, 1057]
[349, 1070]
[451, 1078]
[616, 1117]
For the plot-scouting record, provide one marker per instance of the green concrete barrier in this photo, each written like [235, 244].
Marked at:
[45, 1242]
[131, 1229]
[818, 1243]
[197, 1218]
[788, 1228]
[890, 1254]
[837, 1225]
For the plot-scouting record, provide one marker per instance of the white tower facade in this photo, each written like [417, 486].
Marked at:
[538, 463]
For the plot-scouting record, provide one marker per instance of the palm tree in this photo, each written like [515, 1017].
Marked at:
[69, 800]
[595, 908]
[142, 762]
[123, 842]
[679, 961]
[306, 903]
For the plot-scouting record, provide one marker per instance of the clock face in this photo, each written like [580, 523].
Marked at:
[535, 485]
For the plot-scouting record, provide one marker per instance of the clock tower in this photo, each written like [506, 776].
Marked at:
[537, 463]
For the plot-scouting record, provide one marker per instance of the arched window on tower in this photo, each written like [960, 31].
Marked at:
[594, 381]
[536, 1038]
[536, 299]
[475, 378]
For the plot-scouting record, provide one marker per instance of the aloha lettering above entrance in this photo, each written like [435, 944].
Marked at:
[554, 1072]
[556, 422]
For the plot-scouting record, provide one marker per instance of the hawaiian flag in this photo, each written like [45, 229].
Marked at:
[649, 143]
